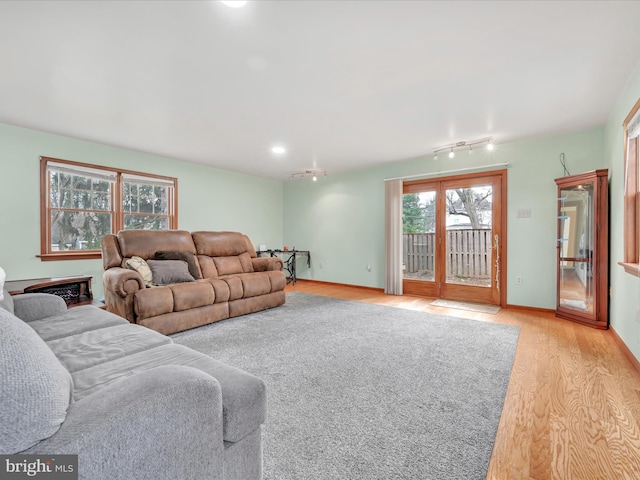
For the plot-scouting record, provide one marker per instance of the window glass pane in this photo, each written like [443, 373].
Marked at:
[145, 193]
[78, 230]
[101, 201]
[81, 183]
[418, 235]
[145, 198]
[58, 189]
[54, 191]
[161, 205]
[65, 198]
[80, 200]
[65, 180]
[469, 235]
[86, 193]
[101, 186]
[146, 222]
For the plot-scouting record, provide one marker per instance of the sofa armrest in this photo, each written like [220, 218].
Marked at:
[36, 306]
[122, 281]
[164, 423]
[264, 264]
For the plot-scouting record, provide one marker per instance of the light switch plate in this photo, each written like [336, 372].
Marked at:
[523, 213]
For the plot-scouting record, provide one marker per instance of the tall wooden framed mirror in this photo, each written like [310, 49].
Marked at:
[583, 249]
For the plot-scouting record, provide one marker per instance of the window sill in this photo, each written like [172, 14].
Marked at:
[631, 268]
[87, 255]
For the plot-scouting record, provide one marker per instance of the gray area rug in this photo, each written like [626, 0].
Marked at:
[361, 391]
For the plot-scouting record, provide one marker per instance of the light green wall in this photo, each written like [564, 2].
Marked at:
[625, 288]
[208, 199]
[340, 218]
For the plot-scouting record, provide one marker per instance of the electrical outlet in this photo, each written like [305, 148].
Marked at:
[321, 264]
[368, 268]
[518, 280]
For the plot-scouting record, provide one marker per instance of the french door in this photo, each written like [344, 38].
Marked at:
[453, 245]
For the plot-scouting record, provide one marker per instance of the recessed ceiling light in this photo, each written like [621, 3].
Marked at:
[278, 150]
[234, 3]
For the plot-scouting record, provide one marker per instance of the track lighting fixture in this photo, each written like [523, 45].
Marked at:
[459, 145]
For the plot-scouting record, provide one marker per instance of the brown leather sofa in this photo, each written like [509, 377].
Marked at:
[235, 281]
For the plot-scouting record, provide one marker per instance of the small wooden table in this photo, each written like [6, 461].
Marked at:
[75, 289]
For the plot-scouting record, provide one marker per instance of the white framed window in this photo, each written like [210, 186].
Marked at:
[631, 132]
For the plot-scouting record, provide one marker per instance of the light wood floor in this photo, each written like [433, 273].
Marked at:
[572, 409]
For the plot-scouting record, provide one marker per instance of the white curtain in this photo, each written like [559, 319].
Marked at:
[393, 237]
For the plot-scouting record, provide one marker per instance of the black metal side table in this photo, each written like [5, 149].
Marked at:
[289, 260]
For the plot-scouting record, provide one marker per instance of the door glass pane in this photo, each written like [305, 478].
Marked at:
[419, 227]
[576, 248]
[468, 223]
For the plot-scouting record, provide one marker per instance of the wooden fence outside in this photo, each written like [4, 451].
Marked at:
[468, 255]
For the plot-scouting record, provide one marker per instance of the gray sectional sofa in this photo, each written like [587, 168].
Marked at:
[127, 400]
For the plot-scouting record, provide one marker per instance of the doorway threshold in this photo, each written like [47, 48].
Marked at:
[472, 307]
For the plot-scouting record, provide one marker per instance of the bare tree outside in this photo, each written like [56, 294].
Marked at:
[473, 203]
[468, 242]
[80, 211]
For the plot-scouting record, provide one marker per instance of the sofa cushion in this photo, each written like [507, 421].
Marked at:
[233, 264]
[145, 243]
[228, 265]
[188, 257]
[277, 279]
[36, 388]
[220, 289]
[207, 267]
[254, 284]
[220, 244]
[191, 295]
[243, 395]
[142, 267]
[73, 321]
[167, 272]
[235, 286]
[152, 301]
[36, 306]
[86, 349]
[245, 261]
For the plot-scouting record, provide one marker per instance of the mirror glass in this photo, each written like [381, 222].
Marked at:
[575, 230]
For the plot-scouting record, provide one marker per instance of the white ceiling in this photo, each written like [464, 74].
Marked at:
[341, 84]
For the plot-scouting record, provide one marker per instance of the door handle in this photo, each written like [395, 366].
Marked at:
[496, 240]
